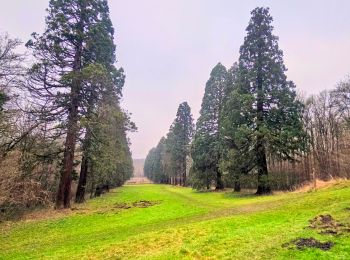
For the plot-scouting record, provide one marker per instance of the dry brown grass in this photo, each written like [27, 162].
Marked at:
[320, 184]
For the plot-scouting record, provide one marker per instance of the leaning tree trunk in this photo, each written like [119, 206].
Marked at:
[64, 189]
[63, 196]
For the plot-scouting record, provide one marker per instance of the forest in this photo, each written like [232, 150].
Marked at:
[262, 173]
[255, 130]
[63, 133]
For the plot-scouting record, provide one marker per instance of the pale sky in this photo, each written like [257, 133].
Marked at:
[168, 48]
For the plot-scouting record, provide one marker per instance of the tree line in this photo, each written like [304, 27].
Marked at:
[254, 129]
[63, 132]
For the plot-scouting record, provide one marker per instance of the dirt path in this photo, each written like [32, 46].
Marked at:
[139, 180]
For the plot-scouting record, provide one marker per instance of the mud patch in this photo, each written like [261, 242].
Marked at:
[144, 203]
[135, 204]
[78, 209]
[304, 243]
[326, 224]
[122, 205]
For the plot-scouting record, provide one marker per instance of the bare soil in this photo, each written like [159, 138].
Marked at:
[326, 224]
[136, 204]
[303, 243]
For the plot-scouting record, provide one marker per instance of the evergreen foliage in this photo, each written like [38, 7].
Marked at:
[168, 162]
[262, 114]
[74, 67]
[206, 148]
[178, 142]
[154, 167]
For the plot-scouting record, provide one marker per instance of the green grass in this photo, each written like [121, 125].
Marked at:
[183, 225]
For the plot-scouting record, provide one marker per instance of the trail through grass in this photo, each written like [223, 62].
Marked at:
[182, 224]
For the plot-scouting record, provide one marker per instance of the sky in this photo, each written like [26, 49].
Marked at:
[168, 48]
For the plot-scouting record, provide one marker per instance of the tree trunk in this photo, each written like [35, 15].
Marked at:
[184, 174]
[208, 181]
[263, 181]
[63, 196]
[92, 190]
[237, 184]
[64, 189]
[80, 195]
[219, 183]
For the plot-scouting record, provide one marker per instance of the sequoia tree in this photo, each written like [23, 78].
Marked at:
[206, 147]
[66, 48]
[154, 163]
[102, 79]
[102, 87]
[178, 140]
[109, 159]
[263, 115]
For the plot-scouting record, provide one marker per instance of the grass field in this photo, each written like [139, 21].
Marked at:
[182, 224]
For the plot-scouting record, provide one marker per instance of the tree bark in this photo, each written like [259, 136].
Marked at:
[184, 173]
[64, 189]
[263, 181]
[237, 184]
[80, 195]
[208, 181]
[219, 182]
[63, 196]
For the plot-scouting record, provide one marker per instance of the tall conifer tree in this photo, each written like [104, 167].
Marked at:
[78, 33]
[206, 147]
[262, 113]
[179, 139]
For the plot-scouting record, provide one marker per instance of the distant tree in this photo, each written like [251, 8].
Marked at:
[154, 167]
[11, 67]
[11, 77]
[206, 147]
[262, 113]
[149, 162]
[159, 171]
[178, 141]
[341, 98]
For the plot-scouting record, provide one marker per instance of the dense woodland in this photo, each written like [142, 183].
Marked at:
[63, 133]
[255, 131]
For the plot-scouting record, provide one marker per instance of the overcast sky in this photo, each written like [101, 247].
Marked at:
[168, 48]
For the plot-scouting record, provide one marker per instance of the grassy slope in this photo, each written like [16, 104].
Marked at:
[184, 225]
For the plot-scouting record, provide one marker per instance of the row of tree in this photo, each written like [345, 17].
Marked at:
[168, 162]
[253, 129]
[61, 118]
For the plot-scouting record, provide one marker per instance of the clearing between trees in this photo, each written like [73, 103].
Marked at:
[154, 221]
